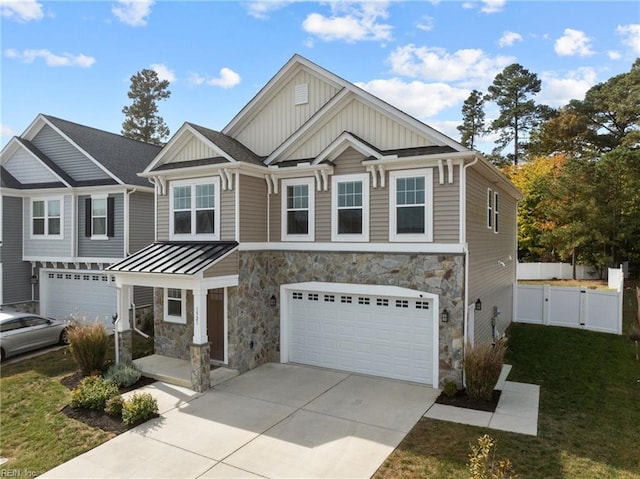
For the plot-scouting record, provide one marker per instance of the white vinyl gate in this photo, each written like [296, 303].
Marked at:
[358, 328]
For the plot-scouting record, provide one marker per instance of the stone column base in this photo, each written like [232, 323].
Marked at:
[200, 367]
[125, 346]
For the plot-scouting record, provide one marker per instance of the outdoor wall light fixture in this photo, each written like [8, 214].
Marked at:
[478, 305]
[272, 300]
[444, 316]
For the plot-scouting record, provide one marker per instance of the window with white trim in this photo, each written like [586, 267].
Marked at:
[411, 205]
[99, 216]
[46, 218]
[495, 212]
[350, 208]
[194, 209]
[489, 208]
[298, 209]
[175, 306]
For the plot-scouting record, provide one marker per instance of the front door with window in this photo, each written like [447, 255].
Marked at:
[215, 322]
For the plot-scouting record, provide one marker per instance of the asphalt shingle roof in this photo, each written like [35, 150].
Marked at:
[232, 147]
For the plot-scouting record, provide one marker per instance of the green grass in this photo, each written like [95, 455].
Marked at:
[589, 421]
[34, 435]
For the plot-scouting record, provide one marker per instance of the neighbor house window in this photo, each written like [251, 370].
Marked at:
[46, 218]
[411, 205]
[489, 208]
[495, 212]
[350, 208]
[99, 217]
[175, 306]
[194, 209]
[298, 200]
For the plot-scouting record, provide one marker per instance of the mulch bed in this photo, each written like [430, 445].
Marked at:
[99, 419]
[461, 399]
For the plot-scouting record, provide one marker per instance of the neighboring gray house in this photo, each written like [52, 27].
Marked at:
[71, 204]
[324, 226]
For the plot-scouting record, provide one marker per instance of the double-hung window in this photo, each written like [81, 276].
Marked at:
[492, 210]
[298, 209]
[350, 208]
[195, 210]
[99, 217]
[46, 218]
[411, 205]
[174, 305]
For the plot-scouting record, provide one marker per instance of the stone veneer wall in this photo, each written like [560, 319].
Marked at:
[172, 339]
[254, 325]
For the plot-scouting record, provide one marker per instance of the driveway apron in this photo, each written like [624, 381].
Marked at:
[278, 420]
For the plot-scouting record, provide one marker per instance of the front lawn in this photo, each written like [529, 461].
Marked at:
[35, 435]
[589, 421]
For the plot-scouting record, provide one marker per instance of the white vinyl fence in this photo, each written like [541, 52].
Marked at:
[591, 309]
[542, 271]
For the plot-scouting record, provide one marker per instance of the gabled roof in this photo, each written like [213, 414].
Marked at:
[232, 147]
[172, 257]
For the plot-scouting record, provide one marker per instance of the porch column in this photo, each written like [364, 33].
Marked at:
[200, 349]
[124, 333]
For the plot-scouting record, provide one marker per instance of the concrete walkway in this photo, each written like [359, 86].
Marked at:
[278, 420]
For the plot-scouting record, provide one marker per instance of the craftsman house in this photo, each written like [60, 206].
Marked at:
[323, 226]
[71, 204]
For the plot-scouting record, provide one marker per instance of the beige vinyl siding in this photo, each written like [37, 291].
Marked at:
[228, 215]
[275, 221]
[253, 209]
[379, 214]
[225, 267]
[489, 280]
[446, 209]
[323, 215]
[281, 117]
[194, 149]
[367, 123]
[162, 220]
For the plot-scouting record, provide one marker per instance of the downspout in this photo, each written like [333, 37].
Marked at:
[115, 335]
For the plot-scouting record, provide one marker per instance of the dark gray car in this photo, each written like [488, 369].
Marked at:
[22, 332]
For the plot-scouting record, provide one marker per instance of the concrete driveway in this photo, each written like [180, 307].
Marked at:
[278, 420]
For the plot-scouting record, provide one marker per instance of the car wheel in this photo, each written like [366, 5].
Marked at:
[64, 337]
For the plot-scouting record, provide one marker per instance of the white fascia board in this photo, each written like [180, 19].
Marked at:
[176, 138]
[82, 190]
[341, 143]
[71, 260]
[356, 288]
[36, 125]
[20, 146]
[427, 248]
[81, 150]
[178, 281]
[300, 171]
[421, 161]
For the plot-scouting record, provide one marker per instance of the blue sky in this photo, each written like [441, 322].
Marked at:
[74, 59]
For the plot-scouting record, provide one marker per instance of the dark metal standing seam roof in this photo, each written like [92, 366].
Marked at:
[174, 257]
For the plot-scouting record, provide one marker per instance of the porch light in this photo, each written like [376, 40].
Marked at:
[478, 305]
[444, 316]
[272, 300]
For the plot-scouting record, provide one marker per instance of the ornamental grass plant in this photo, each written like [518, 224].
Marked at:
[482, 367]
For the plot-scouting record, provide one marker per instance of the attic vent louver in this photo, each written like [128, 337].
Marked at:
[302, 94]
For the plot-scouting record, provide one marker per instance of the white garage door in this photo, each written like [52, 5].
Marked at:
[376, 334]
[83, 294]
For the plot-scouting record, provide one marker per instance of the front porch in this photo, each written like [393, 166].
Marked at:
[178, 371]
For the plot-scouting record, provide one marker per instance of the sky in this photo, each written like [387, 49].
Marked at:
[74, 60]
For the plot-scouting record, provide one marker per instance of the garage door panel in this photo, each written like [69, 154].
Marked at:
[383, 336]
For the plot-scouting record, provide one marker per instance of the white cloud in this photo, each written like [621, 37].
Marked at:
[614, 55]
[416, 98]
[132, 12]
[22, 11]
[509, 38]
[227, 79]
[51, 59]
[630, 36]
[433, 63]
[559, 90]
[350, 22]
[492, 6]
[163, 72]
[261, 10]
[573, 42]
[6, 131]
[425, 23]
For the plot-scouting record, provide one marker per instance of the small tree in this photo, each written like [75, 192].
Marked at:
[472, 119]
[142, 121]
[484, 465]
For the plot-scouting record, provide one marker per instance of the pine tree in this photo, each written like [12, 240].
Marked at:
[472, 119]
[142, 121]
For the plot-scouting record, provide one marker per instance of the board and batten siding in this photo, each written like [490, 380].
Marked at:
[65, 155]
[16, 274]
[194, 149]
[253, 209]
[488, 279]
[281, 117]
[27, 169]
[140, 221]
[367, 123]
[225, 267]
[162, 218]
[112, 247]
[49, 247]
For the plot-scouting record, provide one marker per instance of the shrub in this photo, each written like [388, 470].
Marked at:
[138, 408]
[93, 393]
[123, 375]
[450, 388]
[482, 367]
[483, 465]
[114, 406]
[88, 344]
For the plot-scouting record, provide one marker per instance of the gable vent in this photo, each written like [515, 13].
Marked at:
[302, 94]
